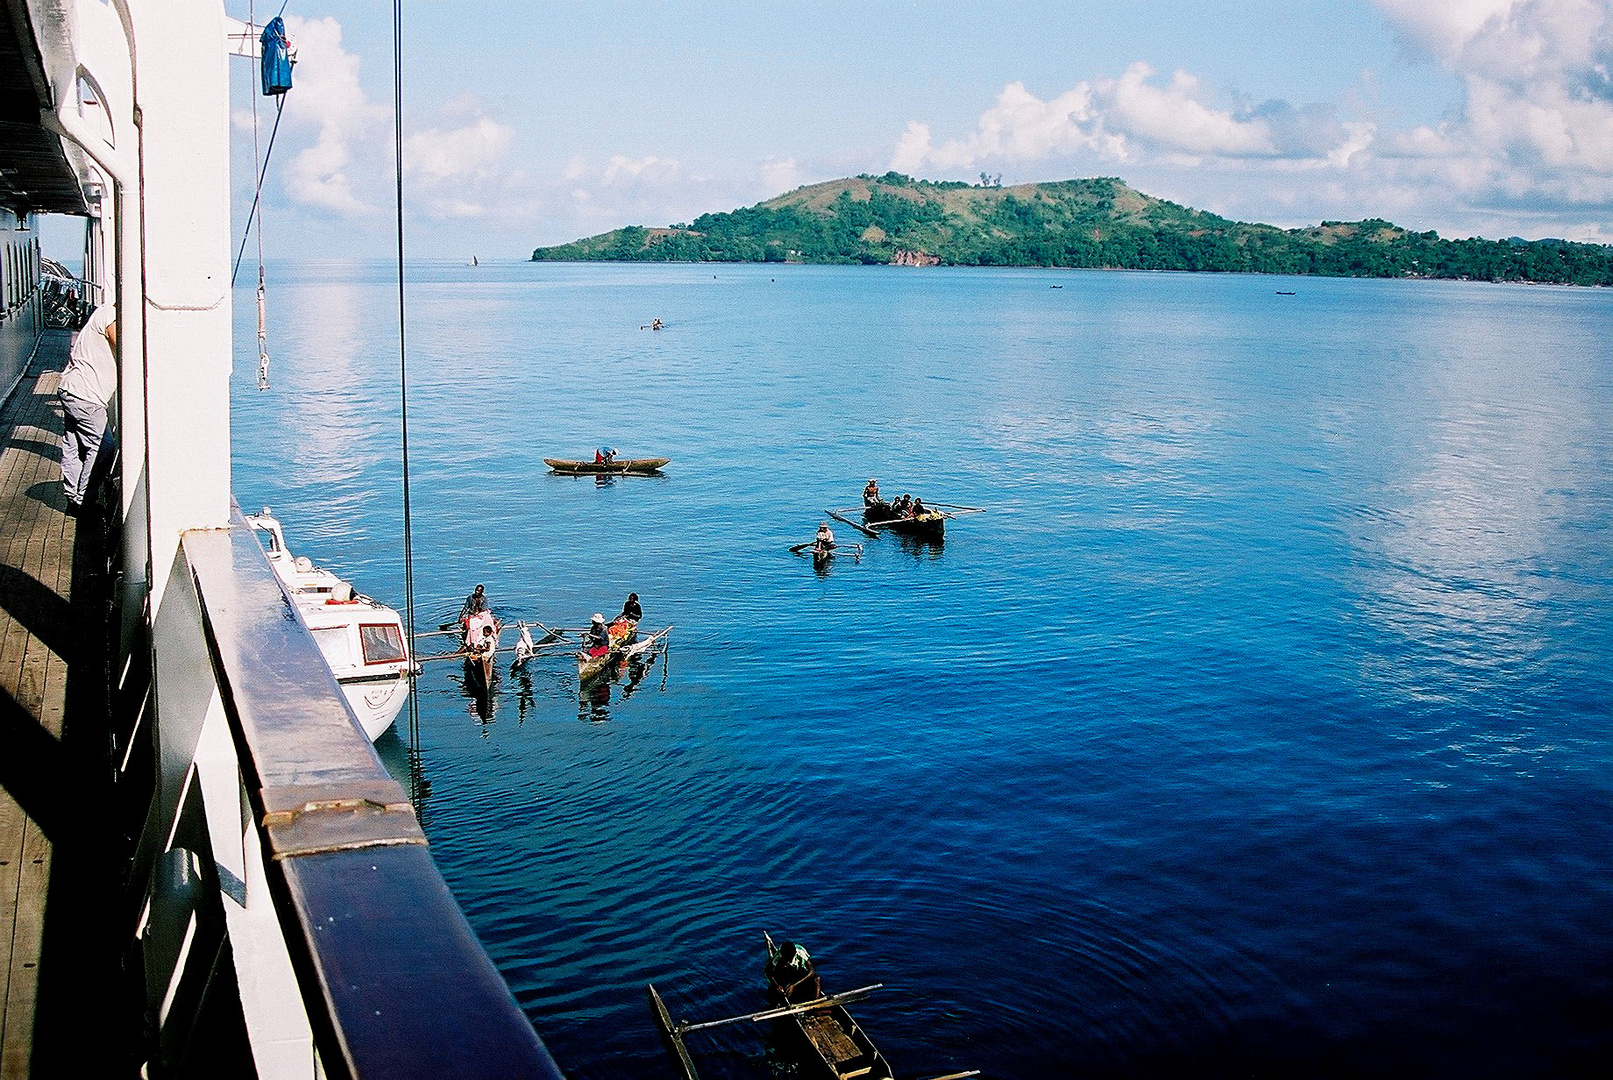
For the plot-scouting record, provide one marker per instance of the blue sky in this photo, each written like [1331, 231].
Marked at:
[536, 123]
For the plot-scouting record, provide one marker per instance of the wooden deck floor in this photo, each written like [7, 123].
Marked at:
[36, 568]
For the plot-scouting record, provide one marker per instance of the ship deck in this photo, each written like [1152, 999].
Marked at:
[51, 777]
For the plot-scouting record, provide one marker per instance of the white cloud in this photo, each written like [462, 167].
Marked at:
[1536, 118]
[1174, 120]
[627, 172]
[329, 100]
[1130, 119]
[1019, 127]
[457, 167]
[780, 176]
[1528, 147]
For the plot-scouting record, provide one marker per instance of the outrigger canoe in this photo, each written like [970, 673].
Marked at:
[591, 666]
[930, 525]
[833, 1040]
[625, 644]
[625, 467]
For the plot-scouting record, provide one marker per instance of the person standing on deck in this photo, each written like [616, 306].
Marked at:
[86, 387]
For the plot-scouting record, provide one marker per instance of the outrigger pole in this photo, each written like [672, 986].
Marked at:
[790, 1010]
[674, 1032]
[838, 516]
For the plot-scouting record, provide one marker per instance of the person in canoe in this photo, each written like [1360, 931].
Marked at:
[824, 542]
[793, 972]
[632, 611]
[871, 492]
[917, 509]
[481, 647]
[605, 455]
[474, 604]
[596, 640]
[902, 504]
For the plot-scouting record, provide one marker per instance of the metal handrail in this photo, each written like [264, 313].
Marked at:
[393, 979]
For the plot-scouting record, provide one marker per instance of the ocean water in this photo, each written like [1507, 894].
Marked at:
[1260, 726]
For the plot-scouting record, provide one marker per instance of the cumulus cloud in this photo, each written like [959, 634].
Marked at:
[1131, 118]
[779, 175]
[329, 101]
[1537, 108]
[457, 166]
[1530, 139]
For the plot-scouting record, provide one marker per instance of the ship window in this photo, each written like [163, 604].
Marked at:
[333, 643]
[383, 643]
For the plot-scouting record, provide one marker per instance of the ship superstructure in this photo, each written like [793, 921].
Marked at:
[276, 910]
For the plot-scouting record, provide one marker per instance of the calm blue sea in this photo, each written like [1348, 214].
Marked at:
[1263, 725]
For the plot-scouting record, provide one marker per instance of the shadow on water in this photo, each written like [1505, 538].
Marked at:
[483, 699]
[922, 547]
[594, 697]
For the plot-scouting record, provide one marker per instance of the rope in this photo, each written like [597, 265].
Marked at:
[415, 784]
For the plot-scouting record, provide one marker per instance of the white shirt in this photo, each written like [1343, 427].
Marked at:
[92, 373]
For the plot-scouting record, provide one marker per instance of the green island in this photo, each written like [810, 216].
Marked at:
[1100, 223]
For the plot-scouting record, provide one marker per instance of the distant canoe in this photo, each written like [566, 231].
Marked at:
[628, 467]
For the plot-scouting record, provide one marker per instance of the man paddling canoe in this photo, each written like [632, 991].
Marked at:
[824, 542]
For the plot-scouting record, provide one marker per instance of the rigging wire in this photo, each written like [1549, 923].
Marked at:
[258, 194]
[415, 780]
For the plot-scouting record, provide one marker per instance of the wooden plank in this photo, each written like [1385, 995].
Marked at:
[12, 822]
[16, 1039]
[829, 1039]
[36, 543]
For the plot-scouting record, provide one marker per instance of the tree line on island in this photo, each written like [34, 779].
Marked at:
[1098, 223]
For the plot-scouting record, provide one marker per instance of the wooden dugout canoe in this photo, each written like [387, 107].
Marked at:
[623, 467]
[930, 525]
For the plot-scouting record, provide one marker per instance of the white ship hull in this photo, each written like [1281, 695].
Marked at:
[361, 639]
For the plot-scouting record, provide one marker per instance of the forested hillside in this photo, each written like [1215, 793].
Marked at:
[1078, 223]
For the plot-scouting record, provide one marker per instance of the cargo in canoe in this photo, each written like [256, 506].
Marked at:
[930, 525]
[621, 467]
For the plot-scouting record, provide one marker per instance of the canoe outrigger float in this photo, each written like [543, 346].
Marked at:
[823, 554]
[625, 467]
[833, 1045]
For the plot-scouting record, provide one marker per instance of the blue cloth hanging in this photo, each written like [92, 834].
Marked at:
[276, 54]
